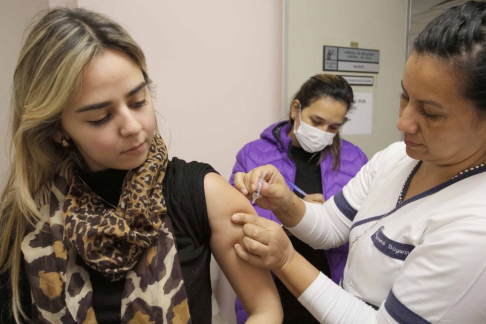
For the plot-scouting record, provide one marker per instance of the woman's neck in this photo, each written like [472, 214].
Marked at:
[445, 172]
[291, 134]
[430, 174]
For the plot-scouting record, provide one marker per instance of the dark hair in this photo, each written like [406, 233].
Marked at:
[326, 86]
[459, 37]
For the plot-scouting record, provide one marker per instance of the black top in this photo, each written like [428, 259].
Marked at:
[186, 206]
[308, 178]
[308, 170]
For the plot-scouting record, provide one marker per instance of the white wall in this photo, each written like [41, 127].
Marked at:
[217, 66]
[15, 16]
[374, 24]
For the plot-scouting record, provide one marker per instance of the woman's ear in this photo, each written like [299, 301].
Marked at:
[61, 138]
[295, 109]
[58, 136]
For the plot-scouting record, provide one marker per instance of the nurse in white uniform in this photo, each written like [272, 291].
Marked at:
[414, 216]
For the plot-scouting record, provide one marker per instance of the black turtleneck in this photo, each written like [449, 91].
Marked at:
[107, 184]
[308, 178]
[107, 295]
[308, 170]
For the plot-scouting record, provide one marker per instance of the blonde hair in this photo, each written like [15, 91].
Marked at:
[47, 79]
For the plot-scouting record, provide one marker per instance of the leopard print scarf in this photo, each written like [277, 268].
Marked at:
[132, 241]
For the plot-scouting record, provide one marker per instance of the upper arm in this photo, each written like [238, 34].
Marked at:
[322, 227]
[356, 190]
[254, 286]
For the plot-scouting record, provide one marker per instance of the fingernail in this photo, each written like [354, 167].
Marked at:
[235, 218]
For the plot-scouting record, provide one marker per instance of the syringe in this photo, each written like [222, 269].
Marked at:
[256, 194]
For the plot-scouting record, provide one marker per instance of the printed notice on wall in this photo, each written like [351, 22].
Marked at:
[346, 59]
[360, 117]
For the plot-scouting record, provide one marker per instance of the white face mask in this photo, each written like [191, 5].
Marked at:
[311, 138]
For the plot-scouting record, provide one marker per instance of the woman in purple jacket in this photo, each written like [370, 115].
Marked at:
[309, 153]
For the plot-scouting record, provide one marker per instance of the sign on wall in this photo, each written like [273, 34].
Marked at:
[346, 59]
[360, 118]
[358, 80]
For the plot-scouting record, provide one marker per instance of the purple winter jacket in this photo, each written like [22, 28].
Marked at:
[272, 148]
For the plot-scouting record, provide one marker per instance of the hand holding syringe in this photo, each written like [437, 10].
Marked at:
[256, 194]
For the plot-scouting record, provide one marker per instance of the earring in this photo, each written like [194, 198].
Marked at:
[65, 142]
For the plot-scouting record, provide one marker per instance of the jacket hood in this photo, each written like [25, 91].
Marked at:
[278, 133]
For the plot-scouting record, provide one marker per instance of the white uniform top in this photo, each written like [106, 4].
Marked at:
[422, 261]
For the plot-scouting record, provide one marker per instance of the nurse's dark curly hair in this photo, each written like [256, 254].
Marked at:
[458, 36]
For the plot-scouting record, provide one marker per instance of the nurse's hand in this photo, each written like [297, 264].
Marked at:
[265, 244]
[316, 198]
[275, 194]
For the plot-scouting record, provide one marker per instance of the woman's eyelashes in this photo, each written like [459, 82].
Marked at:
[421, 110]
[322, 124]
[99, 122]
[427, 115]
[404, 99]
[104, 120]
[318, 122]
[403, 96]
[139, 104]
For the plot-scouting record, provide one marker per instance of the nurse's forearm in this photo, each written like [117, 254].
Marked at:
[325, 300]
[291, 212]
[297, 275]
